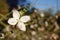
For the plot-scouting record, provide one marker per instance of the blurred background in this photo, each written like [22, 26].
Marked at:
[44, 23]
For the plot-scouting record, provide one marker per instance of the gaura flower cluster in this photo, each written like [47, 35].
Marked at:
[18, 20]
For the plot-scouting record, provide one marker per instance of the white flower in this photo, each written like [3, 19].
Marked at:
[46, 23]
[31, 26]
[2, 36]
[33, 33]
[36, 25]
[19, 21]
[42, 14]
[35, 10]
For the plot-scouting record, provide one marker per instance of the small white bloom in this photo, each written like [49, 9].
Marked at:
[19, 21]
[41, 29]
[42, 14]
[33, 33]
[31, 26]
[2, 36]
[36, 25]
[46, 23]
[56, 16]
[35, 10]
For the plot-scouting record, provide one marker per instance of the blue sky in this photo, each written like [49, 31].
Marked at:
[42, 4]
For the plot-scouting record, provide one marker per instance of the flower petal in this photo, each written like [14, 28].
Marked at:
[21, 26]
[12, 21]
[25, 19]
[16, 14]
